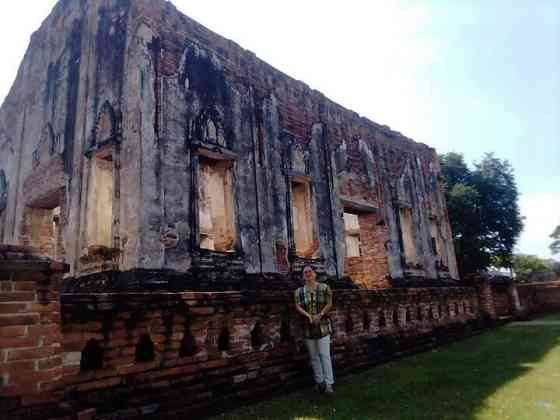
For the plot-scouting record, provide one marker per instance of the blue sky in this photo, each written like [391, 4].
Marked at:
[467, 76]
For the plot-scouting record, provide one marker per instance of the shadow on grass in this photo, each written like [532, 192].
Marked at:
[453, 382]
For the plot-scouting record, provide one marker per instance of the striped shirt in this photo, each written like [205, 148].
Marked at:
[313, 301]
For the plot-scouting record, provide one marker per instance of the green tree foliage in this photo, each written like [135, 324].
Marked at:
[555, 245]
[483, 210]
[524, 265]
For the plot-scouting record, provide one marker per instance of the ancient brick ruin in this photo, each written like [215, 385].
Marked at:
[161, 189]
[136, 141]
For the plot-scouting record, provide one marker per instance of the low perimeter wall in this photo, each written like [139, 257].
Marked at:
[536, 298]
[158, 355]
[508, 299]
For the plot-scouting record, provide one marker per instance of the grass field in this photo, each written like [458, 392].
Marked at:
[508, 373]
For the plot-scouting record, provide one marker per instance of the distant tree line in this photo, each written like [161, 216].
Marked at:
[533, 268]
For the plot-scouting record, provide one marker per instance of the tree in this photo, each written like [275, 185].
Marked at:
[555, 245]
[502, 223]
[524, 265]
[483, 210]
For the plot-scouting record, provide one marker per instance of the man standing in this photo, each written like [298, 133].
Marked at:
[313, 301]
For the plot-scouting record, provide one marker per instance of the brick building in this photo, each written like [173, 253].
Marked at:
[136, 140]
[171, 186]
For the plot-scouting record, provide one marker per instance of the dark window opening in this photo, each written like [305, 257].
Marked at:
[188, 345]
[433, 313]
[382, 320]
[420, 314]
[144, 350]
[92, 356]
[224, 340]
[366, 321]
[349, 324]
[257, 337]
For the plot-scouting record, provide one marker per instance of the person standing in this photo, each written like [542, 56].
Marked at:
[313, 301]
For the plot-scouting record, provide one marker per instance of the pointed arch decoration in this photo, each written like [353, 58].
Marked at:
[404, 183]
[296, 157]
[107, 128]
[209, 128]
[49, 144]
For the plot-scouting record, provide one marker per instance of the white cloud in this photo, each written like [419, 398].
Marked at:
[542, 215]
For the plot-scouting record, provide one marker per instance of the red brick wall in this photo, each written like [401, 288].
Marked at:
[210, 375]
[196, 365]
[486, 298]
[539, 297]
[370, 270]
[502, 300]
[30, 338]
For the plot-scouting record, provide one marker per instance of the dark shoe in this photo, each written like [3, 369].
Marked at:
[319, 388]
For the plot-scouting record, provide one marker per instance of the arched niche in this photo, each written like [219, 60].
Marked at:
[208, 128]
[107, 128]
[49, 144]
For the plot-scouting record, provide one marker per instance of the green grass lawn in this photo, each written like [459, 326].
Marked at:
[508, 373]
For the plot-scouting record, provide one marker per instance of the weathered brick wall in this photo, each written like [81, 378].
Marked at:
[143, 82]
[503, 305]
[502, 298]
[486, 298]
[131, 354]
[539, 297]
[370, 270]
[30, 337]
[210, 349]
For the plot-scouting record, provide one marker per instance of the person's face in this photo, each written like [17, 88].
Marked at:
[308, 274]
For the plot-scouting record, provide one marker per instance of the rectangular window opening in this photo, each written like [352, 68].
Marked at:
[437, 242]
[302, 221]
[360, 240]
[434, 237]
[42, 231]
[407, 229]
[100, 201]
[352, 234]
[215, 205]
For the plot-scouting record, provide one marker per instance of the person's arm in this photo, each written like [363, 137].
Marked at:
[300, 309]
[328, 306]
